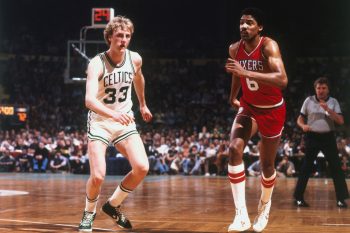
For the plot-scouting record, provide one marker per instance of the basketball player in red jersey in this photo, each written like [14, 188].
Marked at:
[256, 66]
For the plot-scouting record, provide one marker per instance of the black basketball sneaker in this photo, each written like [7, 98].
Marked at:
[116, 215]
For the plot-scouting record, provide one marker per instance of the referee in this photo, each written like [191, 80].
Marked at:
[320, 112]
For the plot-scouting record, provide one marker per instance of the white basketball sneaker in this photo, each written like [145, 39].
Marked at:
[241, 221]
[262, 218]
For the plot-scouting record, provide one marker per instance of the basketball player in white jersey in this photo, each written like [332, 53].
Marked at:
[110, 120]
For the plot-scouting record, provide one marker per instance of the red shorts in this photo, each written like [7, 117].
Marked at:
[270, 121]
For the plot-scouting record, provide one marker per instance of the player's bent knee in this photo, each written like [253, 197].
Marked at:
[141, 170]
[97, 180]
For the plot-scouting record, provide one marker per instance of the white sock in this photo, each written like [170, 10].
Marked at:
[236, 175]
[267, 185]
[119, 195]
[90, 204]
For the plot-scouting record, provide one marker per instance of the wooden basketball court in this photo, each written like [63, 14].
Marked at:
[174, 204]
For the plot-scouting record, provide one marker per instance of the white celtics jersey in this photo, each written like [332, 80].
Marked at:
[114, 86]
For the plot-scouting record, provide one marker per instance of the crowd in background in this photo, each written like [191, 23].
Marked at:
[170, 151]
[189, 101]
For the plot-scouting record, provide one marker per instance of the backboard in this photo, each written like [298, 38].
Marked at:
[79, 54]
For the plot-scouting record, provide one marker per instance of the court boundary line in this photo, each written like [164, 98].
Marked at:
[139, 221]
[336, 224]
[54, 224]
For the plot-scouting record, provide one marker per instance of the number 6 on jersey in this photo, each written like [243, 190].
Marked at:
[252, 85]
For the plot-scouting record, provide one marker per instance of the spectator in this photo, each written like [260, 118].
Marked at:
[285, 168]
[176, 164]
[222, 159]
[210, 157]
[79, 163]
[7, 162]
[345, 165]
[24, 161]
[58, 163]
[192, 164]
[171, 154]
[254, 169]
[41, 158]
[343, 148]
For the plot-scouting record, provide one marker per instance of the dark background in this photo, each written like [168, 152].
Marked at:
[303, 28]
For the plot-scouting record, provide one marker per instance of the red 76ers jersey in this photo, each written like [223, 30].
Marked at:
[255, 93]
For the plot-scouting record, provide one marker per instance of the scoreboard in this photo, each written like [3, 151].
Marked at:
[101, 16]
[12, 116]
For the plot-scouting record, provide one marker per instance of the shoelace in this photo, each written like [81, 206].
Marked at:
[119, 214]
[263, 206]
[238, 211]
[238, 220]
[87, 219]
[122, 217]
[262, 210]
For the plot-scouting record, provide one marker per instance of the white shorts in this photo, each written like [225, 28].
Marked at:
[107, 130]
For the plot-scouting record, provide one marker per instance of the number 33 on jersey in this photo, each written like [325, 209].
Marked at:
[115, 83]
